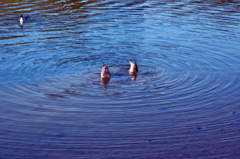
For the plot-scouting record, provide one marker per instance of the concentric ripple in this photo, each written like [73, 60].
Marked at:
[183, 103]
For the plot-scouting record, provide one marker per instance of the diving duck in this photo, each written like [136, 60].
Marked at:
[133, 67]
[105, 74]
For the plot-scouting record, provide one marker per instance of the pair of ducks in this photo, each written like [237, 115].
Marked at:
[106, 75]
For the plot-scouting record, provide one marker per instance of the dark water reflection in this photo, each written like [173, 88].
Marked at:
[184, 102]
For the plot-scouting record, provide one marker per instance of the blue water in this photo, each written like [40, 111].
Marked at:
[184, 102]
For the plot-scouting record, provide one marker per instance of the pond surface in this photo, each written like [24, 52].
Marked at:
[184, 102]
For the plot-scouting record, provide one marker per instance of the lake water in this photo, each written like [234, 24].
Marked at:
[184, 102]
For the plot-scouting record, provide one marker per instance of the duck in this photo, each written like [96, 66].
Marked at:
[133, 67]
[23, 19]
[105, 74]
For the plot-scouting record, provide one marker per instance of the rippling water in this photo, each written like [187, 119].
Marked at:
[184, 103]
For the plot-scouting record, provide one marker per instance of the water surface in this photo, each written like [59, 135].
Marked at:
[184, 102]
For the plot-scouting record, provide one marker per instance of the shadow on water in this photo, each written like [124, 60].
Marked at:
[182, 103]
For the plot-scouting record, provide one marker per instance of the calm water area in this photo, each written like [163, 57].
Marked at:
[183, 103]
